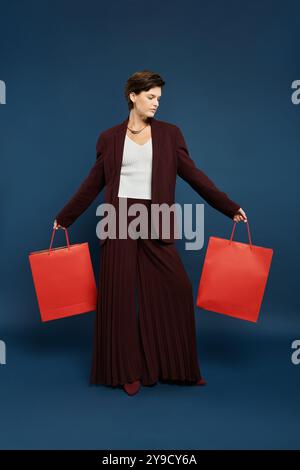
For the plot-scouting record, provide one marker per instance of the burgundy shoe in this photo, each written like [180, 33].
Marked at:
[200, 382]
[132, 388]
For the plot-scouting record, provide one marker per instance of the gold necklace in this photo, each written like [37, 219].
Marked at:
[137, 132]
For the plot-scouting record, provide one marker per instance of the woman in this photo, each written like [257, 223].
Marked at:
[138, 161]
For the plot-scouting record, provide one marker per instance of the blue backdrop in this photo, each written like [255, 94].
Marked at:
[229, 68]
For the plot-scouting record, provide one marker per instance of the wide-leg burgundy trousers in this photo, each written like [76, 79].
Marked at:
[145, 322]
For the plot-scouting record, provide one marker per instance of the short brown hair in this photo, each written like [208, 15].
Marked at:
[141, 81]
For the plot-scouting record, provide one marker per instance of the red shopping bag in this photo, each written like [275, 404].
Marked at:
[234, 277]
[64, 280]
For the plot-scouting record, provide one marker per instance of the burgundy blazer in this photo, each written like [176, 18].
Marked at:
[170, 157]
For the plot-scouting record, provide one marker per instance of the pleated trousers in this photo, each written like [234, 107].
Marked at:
[144, 326]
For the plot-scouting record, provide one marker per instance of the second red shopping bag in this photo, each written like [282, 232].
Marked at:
[234, 277]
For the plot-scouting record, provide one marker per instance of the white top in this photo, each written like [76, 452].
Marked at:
[136, 170]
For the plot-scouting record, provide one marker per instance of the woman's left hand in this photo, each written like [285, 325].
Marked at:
[240, 215]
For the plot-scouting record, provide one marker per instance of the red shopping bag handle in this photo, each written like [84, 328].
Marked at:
[249, 236]
[52, 238]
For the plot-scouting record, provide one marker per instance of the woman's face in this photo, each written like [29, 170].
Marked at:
[146, 103]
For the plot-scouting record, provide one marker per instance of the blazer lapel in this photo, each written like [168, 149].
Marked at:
[119, 140]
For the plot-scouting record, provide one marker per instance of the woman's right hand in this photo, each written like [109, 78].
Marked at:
[57, 226]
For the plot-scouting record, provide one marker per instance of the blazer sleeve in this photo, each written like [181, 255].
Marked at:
[87, 191]
[200, 182]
